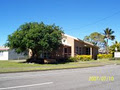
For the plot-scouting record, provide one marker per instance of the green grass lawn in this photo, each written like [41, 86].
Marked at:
[17, 66]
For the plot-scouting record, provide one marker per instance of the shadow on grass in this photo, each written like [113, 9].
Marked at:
[41, 61]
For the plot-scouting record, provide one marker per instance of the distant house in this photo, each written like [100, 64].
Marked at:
[8, 54]
[72, 46]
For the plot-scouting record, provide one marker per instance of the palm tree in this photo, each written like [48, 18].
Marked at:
[108, 35]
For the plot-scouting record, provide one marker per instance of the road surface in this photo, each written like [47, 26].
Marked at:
[67, 79]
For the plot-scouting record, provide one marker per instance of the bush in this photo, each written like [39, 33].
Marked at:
[80, 58]
[104, 56]
[84, 57]
[72, 59]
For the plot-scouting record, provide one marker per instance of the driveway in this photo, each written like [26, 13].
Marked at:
[67, 79]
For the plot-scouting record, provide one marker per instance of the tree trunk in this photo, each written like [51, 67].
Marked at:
[34, 57]
[107, 47]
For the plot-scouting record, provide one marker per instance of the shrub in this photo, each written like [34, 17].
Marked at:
[72, 59]
[80, 58]
[84, 57]
[104, 56]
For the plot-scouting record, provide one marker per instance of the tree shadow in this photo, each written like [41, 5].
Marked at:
[41, 61]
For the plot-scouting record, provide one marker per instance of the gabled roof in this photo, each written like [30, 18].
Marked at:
[73, 37]
[2, 48]
[82, 41]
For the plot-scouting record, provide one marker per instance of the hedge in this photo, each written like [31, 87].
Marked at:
[80, 58]
[104, 56]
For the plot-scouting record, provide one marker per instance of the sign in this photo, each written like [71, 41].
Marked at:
[116, 54]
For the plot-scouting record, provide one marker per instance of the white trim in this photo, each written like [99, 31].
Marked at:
[80, 40]
[88, 43]
[71, 36]
[66, 44]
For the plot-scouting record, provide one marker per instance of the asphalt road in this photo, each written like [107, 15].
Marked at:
[68, 79]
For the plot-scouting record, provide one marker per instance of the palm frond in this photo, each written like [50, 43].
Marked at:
[112, 37]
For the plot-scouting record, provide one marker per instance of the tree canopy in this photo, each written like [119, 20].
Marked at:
[114, 46]
[101, 40]
[35, 36]
[95, 38]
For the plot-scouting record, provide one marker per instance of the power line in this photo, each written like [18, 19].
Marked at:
[101, 19]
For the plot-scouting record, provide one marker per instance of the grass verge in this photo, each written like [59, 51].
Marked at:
[18, 66]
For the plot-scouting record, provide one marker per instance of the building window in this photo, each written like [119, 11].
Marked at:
[46, 55]
[77, 50]
[64, 40]
[1, 53]
[69, 50]
[65, 50]
[80, 50]
[87, 51]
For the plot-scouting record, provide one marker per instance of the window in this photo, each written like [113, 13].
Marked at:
[64, 40]
[1, 53]
[46, 55]
[69, 49]
[80, 50]
[65, 50]
[87, 51]
[77, 50]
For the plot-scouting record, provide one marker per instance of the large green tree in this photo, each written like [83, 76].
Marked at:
[38, 37]
[108, 35]
[95, 38]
